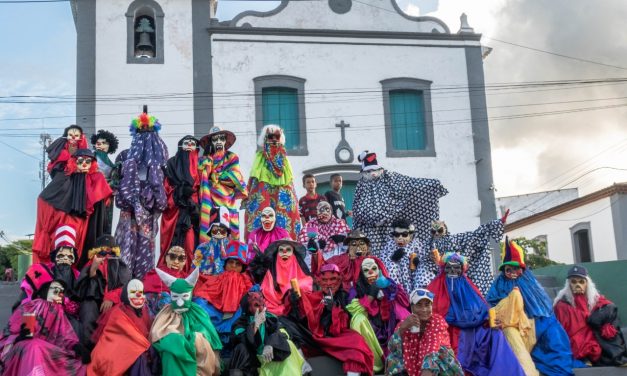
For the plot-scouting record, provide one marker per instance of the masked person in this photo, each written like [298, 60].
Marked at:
[76, 198]
[180, 220]
[481, 350]
[405, 257]
[39, 336]
[141, 197]
[221, 181]
[123, 347]
[420, 345]
[175, 263]
[323, 228]
[100, 284]
[474, 245]
[262, 347]
[64, 147]
[268, 232]
[271, 184]
[590, 320]
[383, 196]
[105, 143]
[318, 323]
[210, 255]
[377, 299]
[524, 311]
[288, 264]
[219, 294]
[182, 333]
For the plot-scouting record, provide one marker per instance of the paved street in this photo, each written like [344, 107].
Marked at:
[8, 295]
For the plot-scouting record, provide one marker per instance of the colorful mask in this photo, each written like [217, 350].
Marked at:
[370, 270]
[402, 236]
[83, 164]
[357, 248]
[55, 293]
[135, 293]
[438, 229]
[256, 302]
[512, 272]
[102, 145]
[65, 256]
[180, 289]
[330, 281]
[219, 142]
[189, 144]
[175, 258]
[268, 218]
[453, 269]
[578, 285]
[285, 251]
[324, 212]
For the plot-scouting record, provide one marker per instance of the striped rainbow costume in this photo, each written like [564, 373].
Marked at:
[221, 185]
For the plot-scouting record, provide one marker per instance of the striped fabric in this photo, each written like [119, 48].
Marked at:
[221, 185]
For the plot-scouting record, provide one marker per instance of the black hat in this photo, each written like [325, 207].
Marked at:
[274, 247]
[356, 235]
[368, 161]
[578, 271]
[84, 153]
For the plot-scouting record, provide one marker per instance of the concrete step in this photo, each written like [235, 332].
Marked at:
[601, 371]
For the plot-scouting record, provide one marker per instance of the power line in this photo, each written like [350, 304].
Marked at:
[18, 150]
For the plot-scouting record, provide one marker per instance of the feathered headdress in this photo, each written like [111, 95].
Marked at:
[145, 123]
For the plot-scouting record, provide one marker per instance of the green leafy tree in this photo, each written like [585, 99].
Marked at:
[9, 253]
[536, 252]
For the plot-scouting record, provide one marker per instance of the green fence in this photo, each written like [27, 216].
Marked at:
[610, 278]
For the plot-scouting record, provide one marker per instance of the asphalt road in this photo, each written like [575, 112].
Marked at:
[8, 294]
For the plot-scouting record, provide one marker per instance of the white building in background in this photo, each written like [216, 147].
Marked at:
[586, 229]
[401, 82]
[522, 206]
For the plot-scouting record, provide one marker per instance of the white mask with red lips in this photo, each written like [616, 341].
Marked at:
[135, 291]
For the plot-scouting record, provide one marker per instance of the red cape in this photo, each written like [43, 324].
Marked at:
[224, 291]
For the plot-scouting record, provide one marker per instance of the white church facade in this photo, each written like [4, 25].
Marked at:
[339, 76]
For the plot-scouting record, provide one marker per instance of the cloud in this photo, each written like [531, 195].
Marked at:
[412, 9]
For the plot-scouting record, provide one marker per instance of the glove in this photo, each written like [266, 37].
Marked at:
[373, 290]
[338, 239]
[382, 282]
[83, 353]
[267, 353]
[398, 254]
[24, 333]
[322, 243]
[327, 300]
[608, 331]
[312, 246]
[260, 318]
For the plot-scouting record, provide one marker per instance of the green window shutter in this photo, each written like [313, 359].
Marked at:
[407, 120]
[280, 106]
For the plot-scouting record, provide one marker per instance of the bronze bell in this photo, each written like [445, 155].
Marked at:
[144, 45]
[144, 42]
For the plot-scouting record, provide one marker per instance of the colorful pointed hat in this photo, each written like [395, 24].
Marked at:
[512, 254]
[237, 250]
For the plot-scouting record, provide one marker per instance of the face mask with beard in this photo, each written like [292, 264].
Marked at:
[218, 142]
[578, 285]
[64, 256]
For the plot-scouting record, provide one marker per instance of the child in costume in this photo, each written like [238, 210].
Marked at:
[209, 256]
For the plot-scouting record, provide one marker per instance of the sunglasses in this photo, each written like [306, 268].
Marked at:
[423, 293]
[401, 234]
[274, 137]
[438, 231]
[356, 243]
[57, 290]
[83, 160]
[219, 137]
[174, 257]
[218, 231]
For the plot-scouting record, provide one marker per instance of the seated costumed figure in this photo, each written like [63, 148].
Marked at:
[482, 351]
[100, 285]
[323, 229]
[76, 198]
[590, 320]
[180, 219]
[104, 144]
[157, 294]
[267, 233]
[525, 312]
[288, 263]
[141, 197]
[318, 322]
[39, 339]
[60, 151]
[209, 256]
[474, 245]
[271, 184]
[383, 196]
[123, 346]
[182, 333]
[405, 258]
[420, 345]
[221, 181]
[261, 345]
[219, 294]
[377, 305]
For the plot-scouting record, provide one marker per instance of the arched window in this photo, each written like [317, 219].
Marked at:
[582, 242]
[144, 19]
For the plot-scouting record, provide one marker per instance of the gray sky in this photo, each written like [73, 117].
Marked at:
[530, 154]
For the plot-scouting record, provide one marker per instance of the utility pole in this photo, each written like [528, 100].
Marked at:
[44, 141]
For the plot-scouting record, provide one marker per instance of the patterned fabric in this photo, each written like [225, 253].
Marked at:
[210, 256]
[221, 185]
[338, 206]
[475, 246]
[308, 206]
[401, 272]
[428, 350]
[393, 196]
[141, 200]
[281, 198]
[325, 231]
[275, 158]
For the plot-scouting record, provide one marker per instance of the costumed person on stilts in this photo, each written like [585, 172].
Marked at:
[104, 144]
[60, 151]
